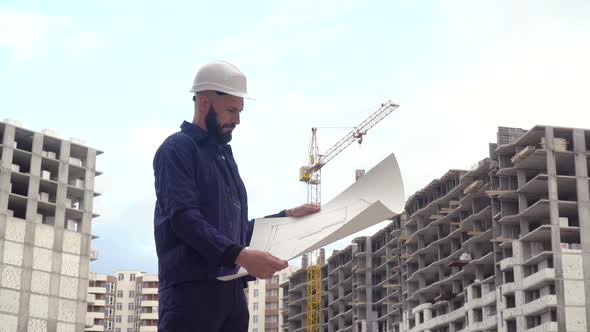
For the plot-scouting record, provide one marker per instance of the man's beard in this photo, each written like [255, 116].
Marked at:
[215, 129]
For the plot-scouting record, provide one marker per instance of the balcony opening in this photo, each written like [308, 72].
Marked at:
[17, 207]
[23, 139]
[508, 276]
[510, 301]
[533, 295]
[477, 292]
[78, 155]
[511, 326]
[47, 192]
[2, 127]
[21, 162]
[76, 177]
[507, 252]
[532, 321]
[45, 213]
[51, 148]
[457, 304]
[569, 220]
[19, 184]
[530, 270]
[477, 315]
[73, 220]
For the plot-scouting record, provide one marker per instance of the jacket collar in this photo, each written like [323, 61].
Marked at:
[194, 131]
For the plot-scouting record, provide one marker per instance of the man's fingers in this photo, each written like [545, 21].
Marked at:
[277, 264]
[313, 208]
[275, 257]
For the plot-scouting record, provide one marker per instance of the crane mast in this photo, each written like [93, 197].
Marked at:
[311, 174]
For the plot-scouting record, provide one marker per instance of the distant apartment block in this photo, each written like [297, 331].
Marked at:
[46, 212]
[265, 302]
[504, 247]
[124, 302]
[100, 315]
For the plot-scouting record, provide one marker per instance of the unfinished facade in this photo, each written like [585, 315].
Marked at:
[504, 247]
[294, 297]
[541, 214]
[46, 212]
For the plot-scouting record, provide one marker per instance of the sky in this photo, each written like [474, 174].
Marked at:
[117, 74]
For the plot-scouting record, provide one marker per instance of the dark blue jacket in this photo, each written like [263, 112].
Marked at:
[201, 214]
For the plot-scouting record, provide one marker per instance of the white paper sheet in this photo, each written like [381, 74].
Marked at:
[376, 196]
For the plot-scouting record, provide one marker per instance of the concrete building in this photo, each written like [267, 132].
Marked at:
[124, 302]
[46, 212]
[504, 247]
[449, 281]
[100, 315]
[128, 301]
[265, 302]
[294, 302]
[148, 314]
[541, 214]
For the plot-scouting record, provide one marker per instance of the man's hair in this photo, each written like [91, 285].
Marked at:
[219, 93]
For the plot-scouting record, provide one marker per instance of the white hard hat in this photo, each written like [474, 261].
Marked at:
[220, 76]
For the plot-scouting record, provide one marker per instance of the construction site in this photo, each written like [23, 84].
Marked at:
[503, 246]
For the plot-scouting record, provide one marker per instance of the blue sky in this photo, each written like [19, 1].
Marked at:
[117, 74]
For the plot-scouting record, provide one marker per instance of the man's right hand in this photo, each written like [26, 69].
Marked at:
[260, 264]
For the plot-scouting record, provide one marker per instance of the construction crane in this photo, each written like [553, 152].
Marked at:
[311, 174]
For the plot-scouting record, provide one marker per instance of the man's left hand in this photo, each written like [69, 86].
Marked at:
[303, 210]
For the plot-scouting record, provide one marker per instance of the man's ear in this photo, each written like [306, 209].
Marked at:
[203, 102]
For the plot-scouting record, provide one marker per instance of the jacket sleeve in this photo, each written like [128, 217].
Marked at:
[174, 172]
[281, 214]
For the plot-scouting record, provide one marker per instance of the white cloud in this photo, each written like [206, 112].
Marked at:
[293, 26]
[27, 35]
[146, 140]
[83, 44]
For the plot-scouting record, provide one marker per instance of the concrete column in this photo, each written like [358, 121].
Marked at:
[522, 201]
[555, 229]
[30, 226]
[369, 283]
[6, 162]
[580, 150]
[9, 134]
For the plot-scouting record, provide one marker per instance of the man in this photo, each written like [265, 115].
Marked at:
[200, 221]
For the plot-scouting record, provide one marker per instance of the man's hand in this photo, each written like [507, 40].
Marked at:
[260, 264]
[303, 210]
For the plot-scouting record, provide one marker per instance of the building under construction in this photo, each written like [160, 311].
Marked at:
[46, 213]
[504, 246]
